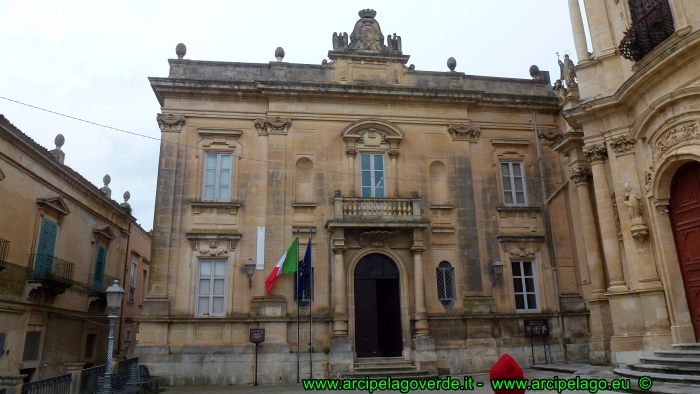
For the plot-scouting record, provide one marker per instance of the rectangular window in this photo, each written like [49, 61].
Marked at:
[524, 285]
[217, 176]
[132, 279]
[513, 183]
[372, 174]
[45, 249]
[31, 346]
[211, 288]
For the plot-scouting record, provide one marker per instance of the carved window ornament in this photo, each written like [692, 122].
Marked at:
[103, 235]
[549, 135]
[221, 139]
[170, 122]
[679, 133]
[464, 132]
[597, 153]
[207, 244]
[366, 134]
[273, 125]
[521, 249]
[377, 239]
[622, 144]
[54, 206]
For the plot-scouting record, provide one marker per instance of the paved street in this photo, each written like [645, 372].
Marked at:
[597, 372]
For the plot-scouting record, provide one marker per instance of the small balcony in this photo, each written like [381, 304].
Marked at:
[48, 275]
[652, 24]
[377, 212]
[4, 248]
[97, 287]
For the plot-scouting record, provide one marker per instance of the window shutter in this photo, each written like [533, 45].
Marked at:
[47, 246]
[99, 274]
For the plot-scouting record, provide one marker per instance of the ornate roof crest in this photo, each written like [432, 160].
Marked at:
[367, 36]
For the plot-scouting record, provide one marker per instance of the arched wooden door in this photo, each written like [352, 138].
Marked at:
[377, 307]
[685, 217]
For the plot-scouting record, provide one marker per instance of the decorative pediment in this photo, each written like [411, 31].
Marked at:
[54, 206]
[103, 234]
[170, 122]
[377, 239]
[213, 243]
[372, 133]
[219, 138]
[464, 132]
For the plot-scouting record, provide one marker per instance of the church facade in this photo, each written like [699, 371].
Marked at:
[442, 222]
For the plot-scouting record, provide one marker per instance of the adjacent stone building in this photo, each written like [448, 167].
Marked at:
[62, 242]
[632, 149]
[418, 187]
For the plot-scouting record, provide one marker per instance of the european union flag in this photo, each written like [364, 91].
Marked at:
[304, 271]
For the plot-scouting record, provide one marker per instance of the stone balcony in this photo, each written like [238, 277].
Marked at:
[377, 212]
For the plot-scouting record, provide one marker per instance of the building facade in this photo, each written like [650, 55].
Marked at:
[415, 186]
[632, 151]
[63, 242]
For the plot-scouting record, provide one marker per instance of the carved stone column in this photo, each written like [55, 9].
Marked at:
[597, 154]
[579, 33]
[340, 304]
[419, 281]
[351, 152]
[393, 155]
[581, 177]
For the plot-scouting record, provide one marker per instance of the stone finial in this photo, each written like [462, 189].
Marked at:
[534, 72]
[180, 50]
[324, 62]
[105, 189]
[58, 153]
[127, 196]
[451, 64]
[279, 54]
[125, 205]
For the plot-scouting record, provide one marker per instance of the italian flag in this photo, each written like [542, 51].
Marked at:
[286, 265]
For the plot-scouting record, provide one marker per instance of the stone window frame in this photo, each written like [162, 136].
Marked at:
[211, 295]
[446, 272]
[373, 153]
[521, 164]
[217, 185]
[522, 278]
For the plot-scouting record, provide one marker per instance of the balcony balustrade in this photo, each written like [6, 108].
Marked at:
[375, 208]
[652, 24]
[44, 267]
[97, 287]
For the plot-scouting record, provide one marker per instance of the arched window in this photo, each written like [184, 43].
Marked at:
[446, 284]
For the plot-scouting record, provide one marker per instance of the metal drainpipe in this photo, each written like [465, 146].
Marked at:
[548, 229]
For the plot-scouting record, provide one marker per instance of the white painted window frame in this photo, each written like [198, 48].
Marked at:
[217, 183]
[512, 177]
[522, 278]
[373, 188]
[211, 295]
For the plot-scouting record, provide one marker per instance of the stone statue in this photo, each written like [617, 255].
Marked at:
[633, 202]
[367, 36]
[567, 72]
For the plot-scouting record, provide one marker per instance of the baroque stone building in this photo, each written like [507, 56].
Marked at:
[632, 152]
[63, 241]
[419, 187]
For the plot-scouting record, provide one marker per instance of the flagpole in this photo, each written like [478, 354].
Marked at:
[311, 298]
[297, 297]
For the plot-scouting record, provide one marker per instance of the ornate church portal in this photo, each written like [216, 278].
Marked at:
[377, 307]
[685, 215]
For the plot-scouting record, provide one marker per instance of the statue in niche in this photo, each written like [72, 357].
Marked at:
[367, 36]
[633, 202]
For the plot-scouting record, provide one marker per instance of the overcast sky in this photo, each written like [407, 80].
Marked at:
[91, 59]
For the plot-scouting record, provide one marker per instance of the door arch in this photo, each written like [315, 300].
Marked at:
[377, 307]
[685, 220]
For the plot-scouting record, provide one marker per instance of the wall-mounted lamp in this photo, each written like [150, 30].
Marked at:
[497, 271]
[249, 271]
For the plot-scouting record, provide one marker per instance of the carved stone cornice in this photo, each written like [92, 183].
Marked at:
[382, 134]
[597, 153]
[273, 125]
[170, 122]
[549, 135]
[394, 153]
[351, 152]
[580, 175]
[521, 249]
[206, 243]
[464, 132]
[622, 144]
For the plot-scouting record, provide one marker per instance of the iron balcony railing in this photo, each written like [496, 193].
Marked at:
[4, 248]
[372, 207]
[47, 267]
[88, 379]
[651, 25]
[57, 385]
[99, 285]
[125, 367]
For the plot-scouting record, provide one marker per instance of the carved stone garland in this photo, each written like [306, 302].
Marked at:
[680, 133]
[371, 130]
[273, 125]
[464, 132]
[377, 239]
[170, 122]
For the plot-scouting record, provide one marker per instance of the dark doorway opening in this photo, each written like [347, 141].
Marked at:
[377, 307]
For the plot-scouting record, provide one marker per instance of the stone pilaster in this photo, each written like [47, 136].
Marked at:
[393, 156]
[351, 152]
[340, 302]
[579, 33]
[598, 154]
[421, 311]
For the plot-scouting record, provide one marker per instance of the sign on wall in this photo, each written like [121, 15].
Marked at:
[257, 335]
[537, 328]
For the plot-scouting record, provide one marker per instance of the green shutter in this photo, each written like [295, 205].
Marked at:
[45, 251]
[99, 274]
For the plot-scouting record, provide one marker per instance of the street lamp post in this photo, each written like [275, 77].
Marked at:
[115, 294]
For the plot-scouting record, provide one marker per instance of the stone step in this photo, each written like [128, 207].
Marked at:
[680, 361]
[383, 368]
[383, 373]
[678, 353]
[687, 346]
[423, 376]
[658, 368]
[662, 377]
[382, 360]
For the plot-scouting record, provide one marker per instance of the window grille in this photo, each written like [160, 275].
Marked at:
[446, 284]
